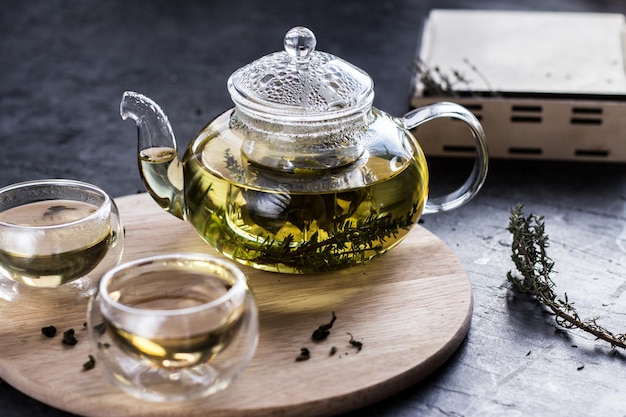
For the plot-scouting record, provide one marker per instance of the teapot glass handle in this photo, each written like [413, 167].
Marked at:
[477, 177]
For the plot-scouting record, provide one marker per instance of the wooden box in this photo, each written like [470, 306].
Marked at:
[545, 85]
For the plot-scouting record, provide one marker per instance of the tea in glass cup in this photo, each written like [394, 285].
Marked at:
[173, 327]
[54, 233]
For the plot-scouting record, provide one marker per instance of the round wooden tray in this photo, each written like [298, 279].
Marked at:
[411, 309]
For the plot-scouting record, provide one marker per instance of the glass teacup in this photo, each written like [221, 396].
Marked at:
[173, 327]
[56, 233]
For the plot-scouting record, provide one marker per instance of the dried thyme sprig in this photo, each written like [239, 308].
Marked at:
[325, 254]
[437, 83]
[535, 266]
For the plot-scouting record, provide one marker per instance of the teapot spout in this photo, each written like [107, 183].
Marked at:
[159, 165]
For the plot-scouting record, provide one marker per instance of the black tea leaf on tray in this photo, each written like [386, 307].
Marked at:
[322, 332]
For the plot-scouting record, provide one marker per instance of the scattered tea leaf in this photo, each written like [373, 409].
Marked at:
[49, 331]
[90, 364]
[100, 328]
[304, 355]
[358, 345]
[322, 332]
[68, 338]
[56, 209]
[333, 350]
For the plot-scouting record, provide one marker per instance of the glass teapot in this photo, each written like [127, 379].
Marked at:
[303, 175]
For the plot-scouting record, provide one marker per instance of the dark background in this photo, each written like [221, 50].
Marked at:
[65, 64]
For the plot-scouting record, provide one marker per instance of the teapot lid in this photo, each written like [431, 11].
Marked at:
[300, 83]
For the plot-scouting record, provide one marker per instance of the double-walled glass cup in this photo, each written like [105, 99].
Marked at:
[59, 234]
[173, 327]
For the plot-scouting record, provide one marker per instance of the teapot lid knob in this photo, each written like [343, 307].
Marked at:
[300, 43]
[300, 84]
